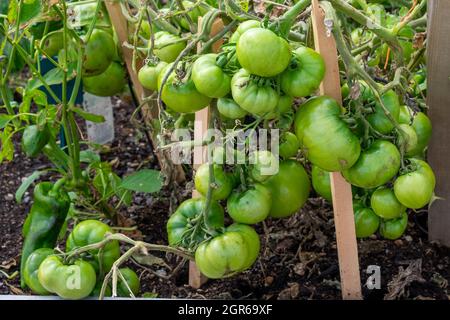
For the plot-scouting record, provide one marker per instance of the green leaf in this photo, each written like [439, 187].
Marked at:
[150, 295]
[88, 116]
[26, 184]
[145, 180]
[30, 9]
[6, 144]
[89, 156]
[4, 119]
[52, 77]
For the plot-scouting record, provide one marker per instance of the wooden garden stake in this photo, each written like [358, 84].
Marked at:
[438, 95]
[149, 110]
[341, 190]
[196, 279]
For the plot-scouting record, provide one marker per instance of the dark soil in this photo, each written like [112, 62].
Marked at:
[298, 257]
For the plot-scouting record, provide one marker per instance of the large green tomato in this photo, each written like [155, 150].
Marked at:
[108, 83]
[181, 95]
[252, 240]
[385, 204]
[327, 140]
[230, 109]
[321, 182]
[375, 166]
[53, 43]
[244, 26]
[250, 206]
[180, 221]
[30, 272]
[289, 145]
[304, 74]
[378, 119]
[408, 138]
[225, 254]
[168, 46]
[404, 115]
[283, 106]
[209, 78]
[289, 188]
[148, 75]
[99, 53]
[366, 222]
[422, 126]
[255, 96]
[415, 189]
[394, 228]
[93, 231]
[262, 52]
[222, 182]
[73, 281]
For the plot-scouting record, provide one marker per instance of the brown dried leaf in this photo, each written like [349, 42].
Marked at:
[397, 286]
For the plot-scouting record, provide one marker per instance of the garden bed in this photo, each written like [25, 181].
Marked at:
[298, 257]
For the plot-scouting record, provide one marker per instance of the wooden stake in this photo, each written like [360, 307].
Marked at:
[196, 279]
[150, 110]
[438, 51]
[342, 193]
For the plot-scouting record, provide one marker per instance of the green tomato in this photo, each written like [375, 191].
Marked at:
[30, 272]
[53, 43]
[73, 281]
[194, 11]
[378, 119]
[132, 282]
[366, 222]
[148, 75]
[304, 74]
[222, 182]
[168, 46]
[283, 106]
[90, 232]
[394, 228]
[328, 141]
[415, 189]
[252, 240]
[289, 188]
[289, 145]
[99, 53]
[385, 204]
[404, 115]
[209, 78]
[263, 165]
[255, 97]
[180, 221]
[422, 126]
[244, 26]
[108, 83]
[250, 206]
[181, 95]
[230, 109]
[225, 254]
[262, 52]
[321, 182]
[375, 166]
[409, 141]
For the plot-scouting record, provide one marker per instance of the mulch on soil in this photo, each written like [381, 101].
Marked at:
[298, 255]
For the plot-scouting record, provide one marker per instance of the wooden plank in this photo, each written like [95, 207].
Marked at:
[149, 112]
[341, 190]
[196, 278]
[438, 88]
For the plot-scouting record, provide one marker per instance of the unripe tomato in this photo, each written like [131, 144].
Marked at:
[289, 145]
[264, 165]
[108, 83]
[375, 166]
[222, 182]
[262, 52]
[385, 204]
[321, 182]
[252, 240]
[148, 75]
[394, 228]
[250, 206]
[289, 188]
[230, 109]
[422, 126]
[209, 78]
[378, 119]
[168, 46]
[99, 53]
[244, 26]
[304, 74]
[366, 222]
[407, 139]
